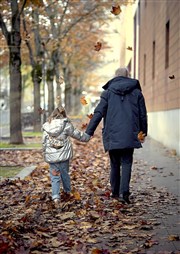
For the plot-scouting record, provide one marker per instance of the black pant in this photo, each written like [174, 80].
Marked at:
[121, 164]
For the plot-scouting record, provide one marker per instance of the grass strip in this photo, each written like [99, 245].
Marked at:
[6, 172]
[26, 145]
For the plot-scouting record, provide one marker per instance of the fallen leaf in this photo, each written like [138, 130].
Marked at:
[153, 168]
[94, 215]
[55, 242]
[67, 215]
[173, 238]
[76, 195]
[150, 243]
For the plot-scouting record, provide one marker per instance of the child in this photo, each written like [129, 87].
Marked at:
[58, 151]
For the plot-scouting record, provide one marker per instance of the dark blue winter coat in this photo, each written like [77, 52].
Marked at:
[123, 110]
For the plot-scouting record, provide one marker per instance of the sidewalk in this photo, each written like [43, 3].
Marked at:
[163, 173]
[155, 154]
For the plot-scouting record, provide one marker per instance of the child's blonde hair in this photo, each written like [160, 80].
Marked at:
[58, 113]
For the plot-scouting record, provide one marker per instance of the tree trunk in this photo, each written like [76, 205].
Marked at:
[50, 96]
[36, 77]
[49, 80]
[58, 86]
[68, 104]
[13, 39]
[15, 88]
[77, 92]
[68, 90]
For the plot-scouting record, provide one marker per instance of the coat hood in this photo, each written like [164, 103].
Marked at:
[55, 127]
[122, 85]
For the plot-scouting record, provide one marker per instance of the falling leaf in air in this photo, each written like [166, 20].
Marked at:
[90, 116]
[27, 38]
[41, 111]
[172, 77]
[97, 46]
[83, 101]
[83, 126]
[116, 10]
[61, 80]
[141, 136]
[129, 48]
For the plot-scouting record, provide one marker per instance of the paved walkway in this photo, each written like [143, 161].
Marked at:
[163, 172]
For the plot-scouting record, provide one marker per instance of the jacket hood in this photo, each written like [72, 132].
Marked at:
[122, 85]
[55, 127]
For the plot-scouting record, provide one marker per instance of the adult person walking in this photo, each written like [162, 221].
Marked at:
[122, 107]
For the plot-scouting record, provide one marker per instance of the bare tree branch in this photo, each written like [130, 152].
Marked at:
[77, 21]
[22, 7]
[62, 17]
[27, 41]
[3, 27]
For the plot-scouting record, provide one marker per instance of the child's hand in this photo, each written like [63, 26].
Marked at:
[141, 136]
[86, 137]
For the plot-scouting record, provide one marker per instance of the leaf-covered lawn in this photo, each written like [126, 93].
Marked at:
[90, 222]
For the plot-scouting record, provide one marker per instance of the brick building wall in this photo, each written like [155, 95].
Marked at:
[159, 54]
[158, 59]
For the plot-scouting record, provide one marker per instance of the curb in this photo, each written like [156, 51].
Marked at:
[21, 149]
[25, 172]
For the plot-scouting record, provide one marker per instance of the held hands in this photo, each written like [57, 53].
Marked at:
[84, 137]
[141, 136]
[87, 137]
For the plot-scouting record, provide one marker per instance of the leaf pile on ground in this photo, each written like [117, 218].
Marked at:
[20, 157]
[90, 221]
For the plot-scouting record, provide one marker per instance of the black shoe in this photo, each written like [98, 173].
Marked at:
[116, 196]
[124, 199]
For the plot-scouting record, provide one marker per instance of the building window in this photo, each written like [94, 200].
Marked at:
[167, 44]
[144, 73]
[153, 59]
